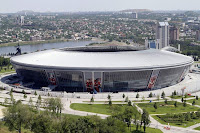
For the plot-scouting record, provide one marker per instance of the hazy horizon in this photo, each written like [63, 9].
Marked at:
[10, 6]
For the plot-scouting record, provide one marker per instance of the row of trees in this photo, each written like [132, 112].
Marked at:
[181, 117]
[4, 61]
[19, 116]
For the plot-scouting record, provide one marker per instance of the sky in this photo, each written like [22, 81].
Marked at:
[11, 6]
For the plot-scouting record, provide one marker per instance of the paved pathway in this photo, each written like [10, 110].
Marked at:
[173, 129]
[194, 126]
[68, 110]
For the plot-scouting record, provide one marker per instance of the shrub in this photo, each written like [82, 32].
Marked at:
[126, 100]
[151, 95]
[137, 96]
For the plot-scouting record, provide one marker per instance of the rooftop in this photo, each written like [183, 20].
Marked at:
[100, 59]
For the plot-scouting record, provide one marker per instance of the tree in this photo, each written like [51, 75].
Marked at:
[6, 101]
[143, 98]
[92, 100]
[110, 102]
[150, 95]
[145, 120]
[129, 103]
[39, 98]
[175, 93]
[109, 97]
[193, 115]
[172, 96]
[155, 106]
[42, 124]
[30, 102]
[181, 118]
[128, 114]
[186, 95]
[137, 96]
[182, 100]
[23, 92]
[158, 97]
[175, 104]
[54, 105]
[187, 116]
[193, 103]
[25, 96]
[163, 95]
[197, 98]
[126, 100]
[123, 95]
[184, 103]
[12, 99]
[35, 93]
[166, 101]
[17, 115]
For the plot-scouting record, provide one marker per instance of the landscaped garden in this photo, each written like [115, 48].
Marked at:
[194, 101]
[7, 69]
[181, 119]
[179, 97]
[100, 108]
[169, 107]
[148, 130]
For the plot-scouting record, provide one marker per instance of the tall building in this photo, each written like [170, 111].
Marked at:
[135, 15]
[22, 20]
[173, 34]
[198, 35]
[162, 34]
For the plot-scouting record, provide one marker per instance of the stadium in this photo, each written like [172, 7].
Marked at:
[102, 69]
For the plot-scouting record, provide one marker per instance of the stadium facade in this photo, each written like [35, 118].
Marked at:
[103, 69]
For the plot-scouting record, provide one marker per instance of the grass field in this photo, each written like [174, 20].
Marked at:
[198, 128]
[197, 102]
[6, 70]
[167, 108]
[98, 108]
[148, 130]
[179, 124]
[179, 97]
[104, 101]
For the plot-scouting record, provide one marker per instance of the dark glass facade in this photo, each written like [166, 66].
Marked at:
[103, 81]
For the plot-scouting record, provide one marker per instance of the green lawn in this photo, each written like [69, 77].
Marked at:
[167, 108]
[179, 124]
[148, 130]
[179, 97]
[197, 102]
[6, 69]
[99, 108]
[145, 100]
[104, 101]
[198, 128]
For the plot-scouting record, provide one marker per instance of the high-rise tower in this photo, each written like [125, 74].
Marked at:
[162, 34]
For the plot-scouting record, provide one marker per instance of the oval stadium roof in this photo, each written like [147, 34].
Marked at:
[72, 59]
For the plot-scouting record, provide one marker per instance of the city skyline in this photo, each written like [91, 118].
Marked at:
[10, 6]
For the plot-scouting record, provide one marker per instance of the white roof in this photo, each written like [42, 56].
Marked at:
[145, 59]
[163, 23]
